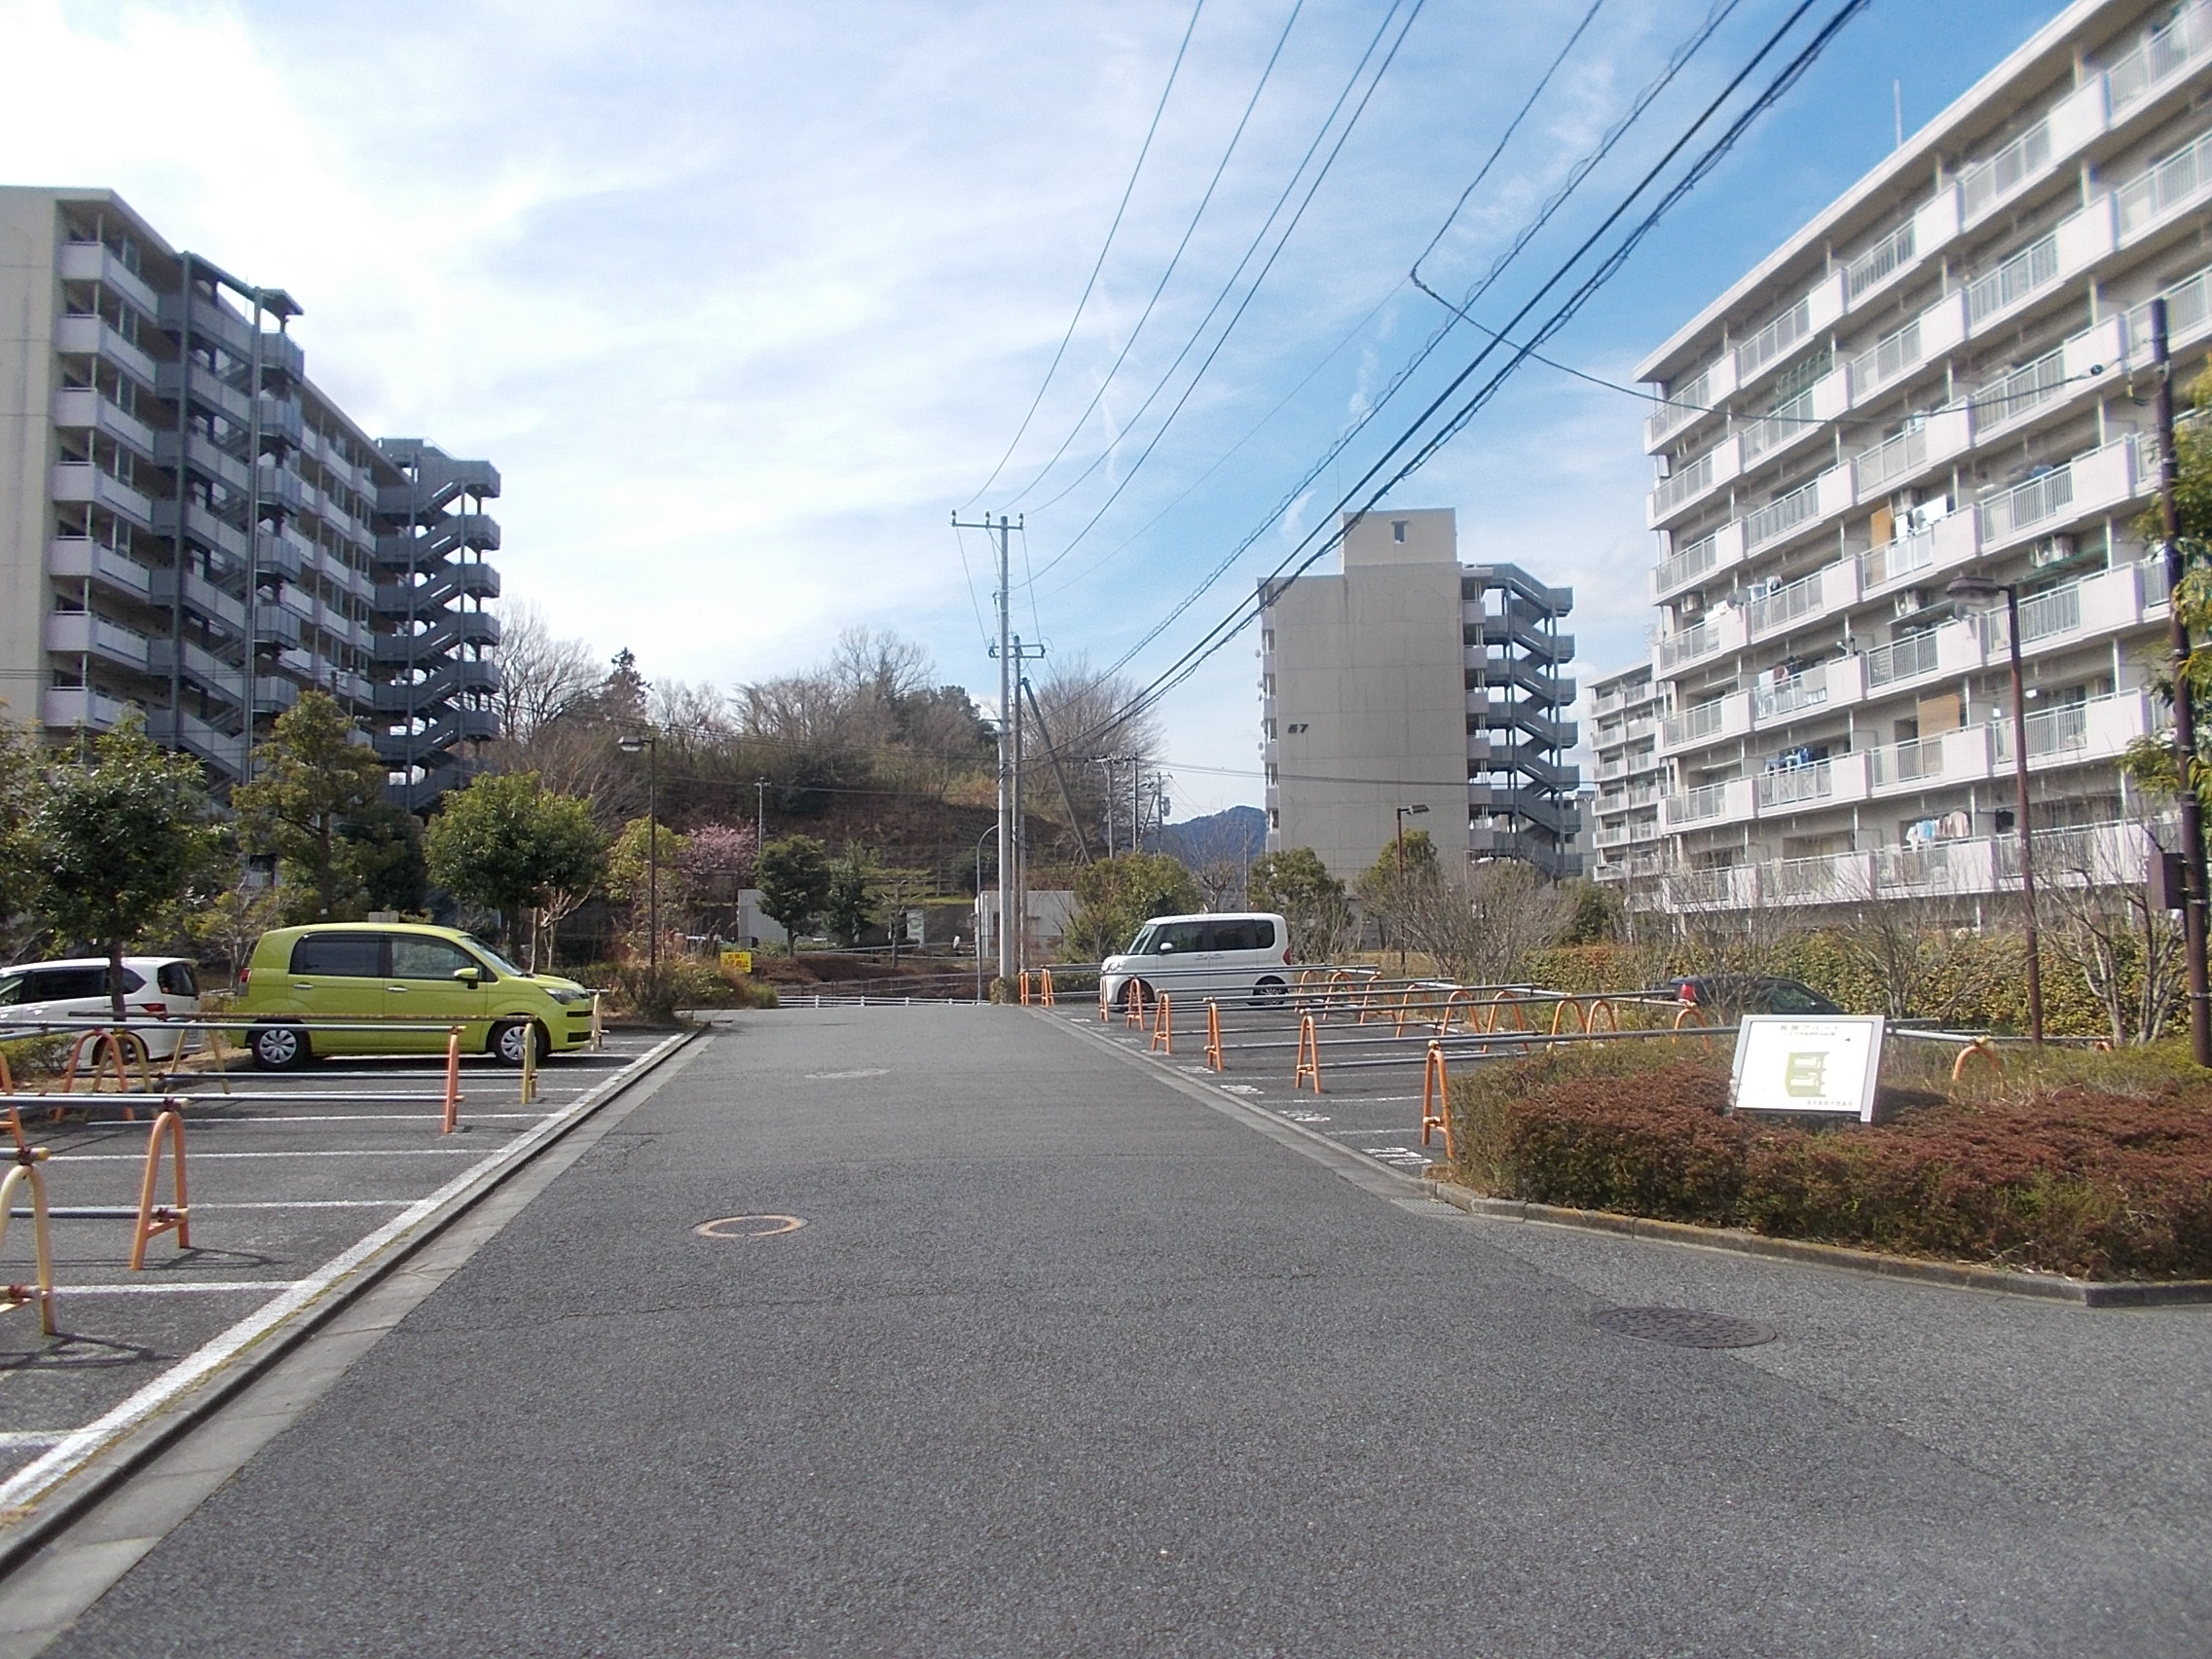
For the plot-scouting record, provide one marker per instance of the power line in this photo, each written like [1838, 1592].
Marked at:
[1267, 73]
[1230, 286]
[1242, 615]
[1676, 62]
[1127, 190]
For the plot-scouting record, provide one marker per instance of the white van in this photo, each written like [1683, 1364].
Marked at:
[1235, 955]
[53, 996]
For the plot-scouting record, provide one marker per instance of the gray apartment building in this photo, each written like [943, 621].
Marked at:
[1942, 374]
[189, 526]
[1411, 679]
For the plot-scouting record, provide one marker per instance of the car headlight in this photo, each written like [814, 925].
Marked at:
[560, 996]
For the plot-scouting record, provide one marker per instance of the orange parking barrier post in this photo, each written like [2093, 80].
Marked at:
[26, 1171]
[453, 1081]
[7, 1077]
[1309, 1055]
[1164, 1027]
[1213, 1036]
[598, 1025]
[1134, 998]
[530, 1064]
[1606, 1008]
[1046, 975]
[1983, 1047]
[1436, 1101]
[154, 1219]
[1025, 989]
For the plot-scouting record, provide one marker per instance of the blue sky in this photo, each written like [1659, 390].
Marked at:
[744, 300]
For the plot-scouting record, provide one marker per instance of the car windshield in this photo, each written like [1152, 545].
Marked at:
[492, 957]
[1142, 943]
[12, 989]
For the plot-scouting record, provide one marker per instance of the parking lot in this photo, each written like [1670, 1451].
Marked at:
[1370, 1074]
[294, 1178]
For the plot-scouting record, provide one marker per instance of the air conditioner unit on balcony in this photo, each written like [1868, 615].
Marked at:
[2051, 550]
[1919, 520]
[1911, 601]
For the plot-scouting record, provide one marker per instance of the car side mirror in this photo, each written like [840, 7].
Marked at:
[469, 976]
[1166, 949]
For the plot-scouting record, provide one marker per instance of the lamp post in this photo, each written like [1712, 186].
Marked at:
[650, 745]
[1399, 840]
[979, 840]
[1981, 591]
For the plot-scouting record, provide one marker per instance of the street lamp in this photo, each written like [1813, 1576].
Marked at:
[650, 745]
[1400, 841]
[979, 840]
[1982, 591]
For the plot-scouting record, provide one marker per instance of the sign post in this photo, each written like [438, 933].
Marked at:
[1790, 1063]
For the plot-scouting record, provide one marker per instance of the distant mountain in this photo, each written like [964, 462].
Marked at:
[1235, 836]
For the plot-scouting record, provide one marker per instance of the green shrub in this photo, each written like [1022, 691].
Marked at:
[2074, 1179]
[639, 992]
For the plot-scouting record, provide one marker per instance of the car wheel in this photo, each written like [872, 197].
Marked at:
[508, 1037]
[1268, 992]
[1137, 995]
[281, 1048]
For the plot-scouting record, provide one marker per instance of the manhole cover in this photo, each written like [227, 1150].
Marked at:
[1684, 1327]
[749, 1226]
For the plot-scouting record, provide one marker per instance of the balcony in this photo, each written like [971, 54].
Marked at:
[1774, 701]
[68, 707]
[2026, 273]
[97, 262]
[1708, 803]
[80, 633]
[1954, 757]
[1788, 789]
[1878, 263]
[1773, 340]
[1894, 457]
[1688, 401]
[1826, 589]
[80, 557]
[2165, 187]
[2025, 507]
[1722, 716]
[1721, 632]
[91, 337]
[1986, 184]
[79, 408]
[1779, 517]
[2163, 55]
[2014, 395]
[1887, 359]
[1676, 492]
[80, 481]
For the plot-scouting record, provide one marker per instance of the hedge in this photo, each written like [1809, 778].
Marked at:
[2076, 1181]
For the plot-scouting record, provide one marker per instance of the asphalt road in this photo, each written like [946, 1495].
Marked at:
[1068, 1359]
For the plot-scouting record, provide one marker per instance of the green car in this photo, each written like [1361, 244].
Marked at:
[399, 971]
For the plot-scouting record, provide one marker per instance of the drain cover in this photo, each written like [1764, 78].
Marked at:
[1684, 1327]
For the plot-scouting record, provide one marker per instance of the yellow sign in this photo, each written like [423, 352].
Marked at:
[738, 961]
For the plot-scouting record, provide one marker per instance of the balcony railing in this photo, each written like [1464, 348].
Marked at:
[2053, 731]
[1982, 184]
[2016, 391]
[1703, 720]
[1908, 763]
[1898, 558]
[2166, 184]
[1786, 422]
[1780, 698]
[1685, 402]
[1779, 517]
[1902, 659]
[2024, 504]
[2016, 278]
[1886, 360]
[1673, 491]
[1677, 648]
[2189, 303]
[2057, 611]
[1878, 261]
[1709, 801]
[1788, 785]
[1893, 458]
[1776, 338]
[1691, 563]
[2164, 53]
[1785, 605]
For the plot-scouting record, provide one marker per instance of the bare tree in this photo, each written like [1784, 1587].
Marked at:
[1081, 712]
[2099, 919]
[540, 678]
[1481, 923]
[1928, 965]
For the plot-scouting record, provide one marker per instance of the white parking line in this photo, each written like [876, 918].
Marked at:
[202, 1156]
[196, 1123]
[32, 1439]
[261, 1287]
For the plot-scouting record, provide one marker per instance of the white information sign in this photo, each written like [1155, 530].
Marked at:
[1794, 1063]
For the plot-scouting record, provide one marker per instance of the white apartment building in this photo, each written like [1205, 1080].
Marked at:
[1943, 373]
[1626, 707]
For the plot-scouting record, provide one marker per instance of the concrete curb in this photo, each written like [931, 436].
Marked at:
[106, 1469]
[1962, 1276]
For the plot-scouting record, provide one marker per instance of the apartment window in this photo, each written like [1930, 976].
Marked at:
[1397, 530]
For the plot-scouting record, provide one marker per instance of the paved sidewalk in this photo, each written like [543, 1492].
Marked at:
[1064, 1360]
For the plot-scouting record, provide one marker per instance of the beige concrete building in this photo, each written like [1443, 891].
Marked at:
[1410, 679]
[190, 526]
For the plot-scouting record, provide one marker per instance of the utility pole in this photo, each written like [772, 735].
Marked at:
[1007, 756]
[2184, 715]
[759, 815]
